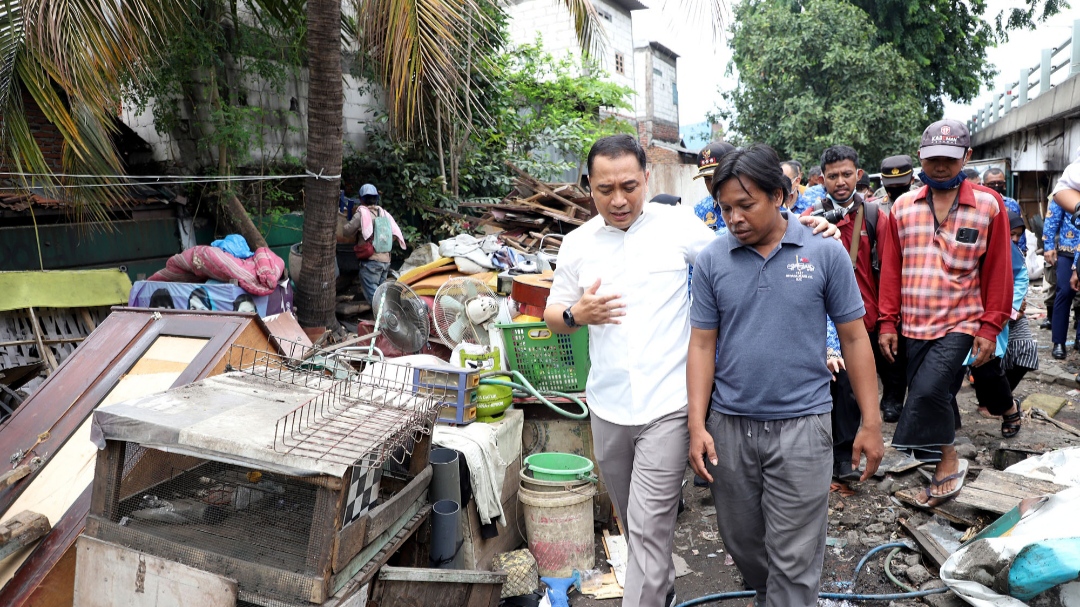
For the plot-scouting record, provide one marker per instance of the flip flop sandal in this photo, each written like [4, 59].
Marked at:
[960, 475]
[1010, 423]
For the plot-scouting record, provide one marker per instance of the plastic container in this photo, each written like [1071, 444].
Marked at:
[549, 361]
[559, 467]
[559, 528]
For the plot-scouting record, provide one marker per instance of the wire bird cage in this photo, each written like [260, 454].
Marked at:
[367, 415]
[280, 473]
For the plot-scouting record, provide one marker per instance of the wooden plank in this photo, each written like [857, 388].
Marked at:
[12, 476]
[44, 352]
[87, 320]
[364, 565]
[383, 516]
[350, 541]
[259, 578]
[998, 492]
[22, 530]
[109, 575]
[453, 576]
[951, 510]
[329, 508]
[109, 470]
[929, 547]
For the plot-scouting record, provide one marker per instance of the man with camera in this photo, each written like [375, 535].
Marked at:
[852, 215]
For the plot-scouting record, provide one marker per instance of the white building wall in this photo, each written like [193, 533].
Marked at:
[663, 91]
[549, 18]
[284, 131]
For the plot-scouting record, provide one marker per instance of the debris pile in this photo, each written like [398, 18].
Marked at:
[534, 209]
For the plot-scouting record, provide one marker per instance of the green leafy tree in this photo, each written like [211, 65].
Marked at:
[554, 109]
[947, 40]
[811, 79]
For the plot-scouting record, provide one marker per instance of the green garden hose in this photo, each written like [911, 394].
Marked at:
[522, 387]
[889, 573]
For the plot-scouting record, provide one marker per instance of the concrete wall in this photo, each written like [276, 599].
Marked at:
[664, 84]
[283, 129]
[551, 19]
[677, 179]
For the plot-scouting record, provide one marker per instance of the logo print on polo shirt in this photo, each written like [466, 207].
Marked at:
[801, 270]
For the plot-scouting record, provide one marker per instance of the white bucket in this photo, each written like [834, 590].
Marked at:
[559, 527]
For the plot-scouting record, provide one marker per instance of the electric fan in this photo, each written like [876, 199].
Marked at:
[465, 311]
[400, 314]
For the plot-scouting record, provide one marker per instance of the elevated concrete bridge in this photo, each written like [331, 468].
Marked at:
[1033, 127]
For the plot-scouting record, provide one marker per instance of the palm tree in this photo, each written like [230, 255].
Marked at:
[69, 58]
[415, 46]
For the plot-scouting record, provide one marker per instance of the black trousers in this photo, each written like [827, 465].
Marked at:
[935, 371]
[846, 417]
[893, 374]
[993, 387]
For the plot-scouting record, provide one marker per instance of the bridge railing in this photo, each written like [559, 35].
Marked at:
[1046, 75]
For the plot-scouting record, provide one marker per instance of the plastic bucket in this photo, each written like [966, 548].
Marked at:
[559, 528]
[558, 466]
[532, 483]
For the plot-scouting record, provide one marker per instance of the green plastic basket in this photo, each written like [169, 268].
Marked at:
[549, 361]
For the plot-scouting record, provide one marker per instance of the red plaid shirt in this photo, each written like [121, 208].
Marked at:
[937, 284]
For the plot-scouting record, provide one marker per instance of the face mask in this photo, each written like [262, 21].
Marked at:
[997, 186]
[842, 203]
[896, 192]
[942, 185]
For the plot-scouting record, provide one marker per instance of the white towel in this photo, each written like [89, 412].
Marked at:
[487, 470]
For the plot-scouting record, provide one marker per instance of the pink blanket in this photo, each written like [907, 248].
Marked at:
[258, 275]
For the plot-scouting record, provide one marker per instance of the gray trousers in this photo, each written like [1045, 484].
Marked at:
[643, 467]
[771, 487]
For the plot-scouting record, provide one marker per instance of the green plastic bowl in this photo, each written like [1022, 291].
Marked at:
[561, 467]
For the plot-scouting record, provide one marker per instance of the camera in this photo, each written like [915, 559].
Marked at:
[834, 215]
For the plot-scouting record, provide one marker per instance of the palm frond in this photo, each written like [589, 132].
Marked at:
[413, 44]
[590, 33]
[11, 40]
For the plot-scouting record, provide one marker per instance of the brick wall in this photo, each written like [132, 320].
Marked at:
[47, 135]
[658, 155]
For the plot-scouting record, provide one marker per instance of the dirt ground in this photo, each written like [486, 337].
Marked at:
[868, 514]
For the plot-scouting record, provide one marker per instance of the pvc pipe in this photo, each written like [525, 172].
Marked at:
[445, 476]
[446, 536]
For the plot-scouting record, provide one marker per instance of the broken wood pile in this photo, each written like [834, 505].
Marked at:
[534, 209]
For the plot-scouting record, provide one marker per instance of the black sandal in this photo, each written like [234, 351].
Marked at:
[1010, 423]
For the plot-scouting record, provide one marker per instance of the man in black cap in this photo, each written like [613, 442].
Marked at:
[896, 178]
[708, 158]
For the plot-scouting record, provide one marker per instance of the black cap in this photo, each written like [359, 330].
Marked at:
[863, 182]
[667, 199]
[1016, 221]
[896, 170]
[710, 156]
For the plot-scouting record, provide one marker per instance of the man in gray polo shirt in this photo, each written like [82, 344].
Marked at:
[768, 439]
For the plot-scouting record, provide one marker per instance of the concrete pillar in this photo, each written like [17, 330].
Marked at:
[1074, 67]
[1006, 103]
[989, 112]
[997, 107]
[1044, 70]
[1022, 88]
[978, 120]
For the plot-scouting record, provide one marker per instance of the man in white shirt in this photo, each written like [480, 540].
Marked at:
[623, 274]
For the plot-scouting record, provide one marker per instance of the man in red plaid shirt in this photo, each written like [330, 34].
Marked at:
[946, 272]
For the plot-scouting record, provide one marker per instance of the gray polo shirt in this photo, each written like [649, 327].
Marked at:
[770, 315]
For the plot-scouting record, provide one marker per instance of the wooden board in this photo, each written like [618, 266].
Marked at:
[437, 587]
[999, 492]
[431, 284]
[929, 546]
[109, 575]
[960, 514]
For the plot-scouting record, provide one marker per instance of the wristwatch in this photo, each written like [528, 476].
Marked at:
[568, 318]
